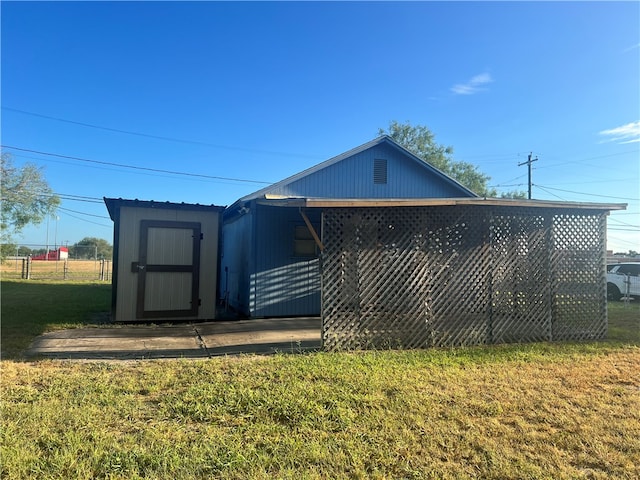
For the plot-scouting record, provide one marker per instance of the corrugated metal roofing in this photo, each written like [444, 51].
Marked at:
[278, 200]
[430, 202]
[114, 203]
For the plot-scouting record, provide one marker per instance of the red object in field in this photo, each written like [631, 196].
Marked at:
[60, 254]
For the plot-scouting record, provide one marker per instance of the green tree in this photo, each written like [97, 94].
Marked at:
[90, 248]
[514, 194]
[25, 197]
[420, 141]
[7, 249]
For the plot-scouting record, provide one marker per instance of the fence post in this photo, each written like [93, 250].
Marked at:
[627, 290]
[65, 269]
[28, 272]
[102, 269]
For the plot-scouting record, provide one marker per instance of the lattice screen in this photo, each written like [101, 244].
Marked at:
[412, 277]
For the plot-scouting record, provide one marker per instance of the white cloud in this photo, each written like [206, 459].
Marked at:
[472, 86]
[628, 133]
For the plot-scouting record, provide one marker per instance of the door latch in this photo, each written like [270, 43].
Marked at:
[136, 267]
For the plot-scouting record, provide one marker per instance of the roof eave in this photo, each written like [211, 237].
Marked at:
[435, 202]
[431, 202]
[114, 204]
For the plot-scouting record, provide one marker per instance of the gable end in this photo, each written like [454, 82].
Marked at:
[380, 171]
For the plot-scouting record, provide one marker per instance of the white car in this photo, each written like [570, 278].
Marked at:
[623, 279]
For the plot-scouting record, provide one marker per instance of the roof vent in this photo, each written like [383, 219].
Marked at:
[380, 171]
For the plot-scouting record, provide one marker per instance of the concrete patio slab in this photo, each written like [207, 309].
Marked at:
[261, 335]
[197, 340]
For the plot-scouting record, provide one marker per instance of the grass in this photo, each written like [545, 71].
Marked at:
[537, 411]
[624, 322]
[430, 414]
[30, 308]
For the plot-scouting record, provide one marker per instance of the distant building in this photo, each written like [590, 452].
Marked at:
[621, 258]
[61, 253]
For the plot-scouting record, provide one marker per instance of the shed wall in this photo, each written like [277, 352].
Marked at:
[128, 252]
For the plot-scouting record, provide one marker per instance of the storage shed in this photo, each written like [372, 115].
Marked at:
[165, 260]
[270, 258]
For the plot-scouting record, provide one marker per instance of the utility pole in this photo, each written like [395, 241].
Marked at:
[528, 163]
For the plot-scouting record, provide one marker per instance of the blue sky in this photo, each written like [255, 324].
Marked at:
[260, 91]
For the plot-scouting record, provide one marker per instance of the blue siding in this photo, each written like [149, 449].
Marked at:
[282, 284]
[264, 277]
[353, 178]
[237, 259]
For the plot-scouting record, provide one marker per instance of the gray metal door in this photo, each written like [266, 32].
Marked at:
[168, 269]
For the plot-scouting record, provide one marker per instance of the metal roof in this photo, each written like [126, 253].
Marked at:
[432, 202]
[114, 204]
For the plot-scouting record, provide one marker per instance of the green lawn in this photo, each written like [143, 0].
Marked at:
[624, 322]
[31, 307]
[536, 411]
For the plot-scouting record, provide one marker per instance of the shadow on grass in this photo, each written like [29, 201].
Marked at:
[30, 308]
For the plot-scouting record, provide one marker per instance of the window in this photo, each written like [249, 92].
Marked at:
[304, 245]
[380, 171]
[632, 270]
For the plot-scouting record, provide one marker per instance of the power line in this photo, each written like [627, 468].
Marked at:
[161, 137]
[207, 144]
[506, 181]
[581, 162]
[591, 181]
[618, 222]
[588, 194]
[621, 240]
[83, 213]
[551, 193]
[88, 221]
[74, 198]
[62, 162]
[506, 156]
[503, 185]
[78, 196]
[62, 197]
[121, 165]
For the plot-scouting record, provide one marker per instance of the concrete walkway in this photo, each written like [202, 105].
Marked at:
[193, 340]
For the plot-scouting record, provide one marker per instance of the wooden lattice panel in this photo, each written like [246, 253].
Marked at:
[458, 265]
[520, 288]
[578, 267]
[412, 277]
